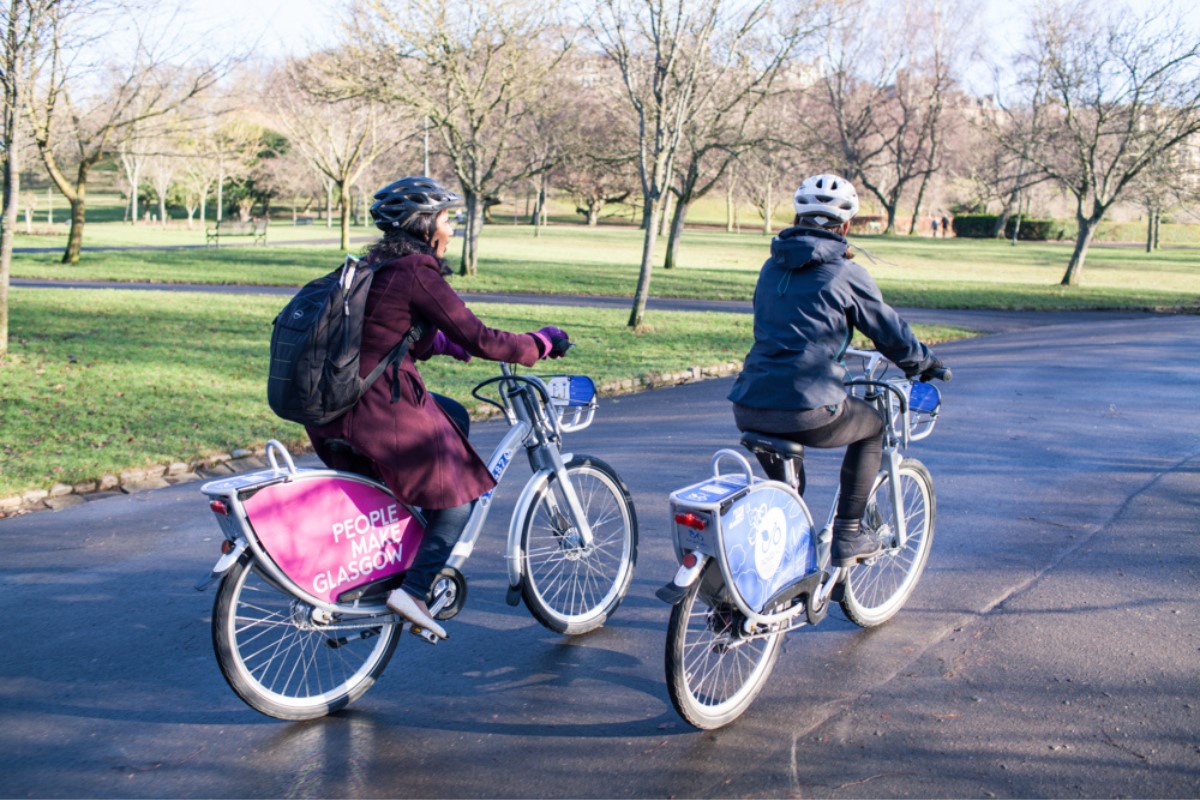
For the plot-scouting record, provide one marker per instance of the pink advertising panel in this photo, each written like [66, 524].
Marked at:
[330, 535]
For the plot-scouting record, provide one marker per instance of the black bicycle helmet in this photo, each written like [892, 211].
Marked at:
[397, 202]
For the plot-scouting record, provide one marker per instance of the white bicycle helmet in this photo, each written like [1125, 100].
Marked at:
[827, 197]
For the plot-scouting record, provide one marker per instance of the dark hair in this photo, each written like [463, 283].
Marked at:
[414, 237]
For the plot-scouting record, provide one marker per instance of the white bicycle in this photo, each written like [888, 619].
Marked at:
[299, 624]
[753, 568]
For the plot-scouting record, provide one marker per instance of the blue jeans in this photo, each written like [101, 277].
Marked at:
[443, 526]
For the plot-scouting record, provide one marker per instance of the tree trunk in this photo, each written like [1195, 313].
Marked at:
[329, 204]
[1149, 230]
[677, 221]
[891, 219]
[75, 238]
[473, 225]
[665, 213]
[766, 212]
[593, 213]
[12, 176]
[344, 202]
[1157, 226]
[133, 195]
[916, 215]
[729, 209]
[642, 294]
[1087, 228]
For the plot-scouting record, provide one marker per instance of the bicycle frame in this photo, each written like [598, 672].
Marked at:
[536, 424]
[540, 434]
[892, 399]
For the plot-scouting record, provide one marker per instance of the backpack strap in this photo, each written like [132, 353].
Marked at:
[394, 357]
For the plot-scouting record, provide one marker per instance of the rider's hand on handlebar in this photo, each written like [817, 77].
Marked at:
[936, 370]
[557, 339]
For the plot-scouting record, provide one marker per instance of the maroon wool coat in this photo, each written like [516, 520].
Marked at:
[418, 451]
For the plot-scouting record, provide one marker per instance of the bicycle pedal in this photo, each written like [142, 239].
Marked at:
[424, 635]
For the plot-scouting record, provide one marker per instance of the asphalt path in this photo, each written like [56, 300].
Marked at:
[1050, 650]
[983, 321]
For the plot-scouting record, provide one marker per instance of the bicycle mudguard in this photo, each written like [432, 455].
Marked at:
[761, 534]
[332, 534]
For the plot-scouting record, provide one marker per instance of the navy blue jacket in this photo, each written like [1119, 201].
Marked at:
[809, 300]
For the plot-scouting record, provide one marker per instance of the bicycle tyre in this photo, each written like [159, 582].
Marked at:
[878, 588]
[568, 589]
[280, 661]
[713, 675]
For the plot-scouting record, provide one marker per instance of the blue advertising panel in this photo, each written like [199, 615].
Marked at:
[769, 544]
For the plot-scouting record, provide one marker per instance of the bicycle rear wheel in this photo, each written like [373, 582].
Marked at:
[288, 659]
[714, 672]
[570, 588]
[877, 588]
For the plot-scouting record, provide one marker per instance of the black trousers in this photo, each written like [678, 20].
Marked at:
[859, 429]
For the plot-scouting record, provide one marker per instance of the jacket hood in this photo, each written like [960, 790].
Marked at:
[798, 248]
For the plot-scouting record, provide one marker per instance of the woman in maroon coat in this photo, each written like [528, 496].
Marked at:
[413, 440]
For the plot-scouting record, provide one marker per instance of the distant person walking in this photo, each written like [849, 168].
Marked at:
[945, 227]
[933, 224]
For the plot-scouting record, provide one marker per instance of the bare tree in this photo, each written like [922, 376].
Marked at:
[596, 140]
[885, 81]
[25, 27]
[472, 69]
[674, 57]
[1171, 181]
[739, 118]
[1105, 93]
[340, 138]
[67, 104]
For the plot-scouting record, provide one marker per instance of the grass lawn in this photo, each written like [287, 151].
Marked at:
[942, 273]
[100, 380]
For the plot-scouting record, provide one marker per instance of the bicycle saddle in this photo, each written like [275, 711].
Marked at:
[757, 443]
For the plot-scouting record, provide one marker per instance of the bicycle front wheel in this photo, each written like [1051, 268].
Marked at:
[878, 587]
[714, 669]
[568, 587]
[288, 659]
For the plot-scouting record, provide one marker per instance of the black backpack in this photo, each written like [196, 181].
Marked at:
[315, 348]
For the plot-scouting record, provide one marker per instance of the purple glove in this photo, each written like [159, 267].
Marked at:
[442, 346]
[554, 342]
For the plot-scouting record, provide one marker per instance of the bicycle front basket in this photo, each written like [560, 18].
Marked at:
[574, 397]
[924, 402]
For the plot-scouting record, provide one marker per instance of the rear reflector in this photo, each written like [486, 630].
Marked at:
[691, 520]
[219, 507]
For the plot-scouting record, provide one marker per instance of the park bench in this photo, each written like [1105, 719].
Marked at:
[235, 227]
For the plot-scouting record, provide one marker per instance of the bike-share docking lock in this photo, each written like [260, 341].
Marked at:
[760, 527]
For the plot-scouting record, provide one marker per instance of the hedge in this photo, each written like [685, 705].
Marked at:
[981, 226]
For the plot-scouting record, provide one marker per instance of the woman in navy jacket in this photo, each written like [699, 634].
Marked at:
[809, 300]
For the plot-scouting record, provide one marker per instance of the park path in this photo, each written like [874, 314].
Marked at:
[984, 321]
[1049, 651]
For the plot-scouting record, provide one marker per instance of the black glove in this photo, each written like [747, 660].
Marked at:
[936, 369]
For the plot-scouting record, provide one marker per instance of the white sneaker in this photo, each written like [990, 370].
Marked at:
[413, 610]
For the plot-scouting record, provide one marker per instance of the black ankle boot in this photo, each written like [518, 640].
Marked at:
[852, 544]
